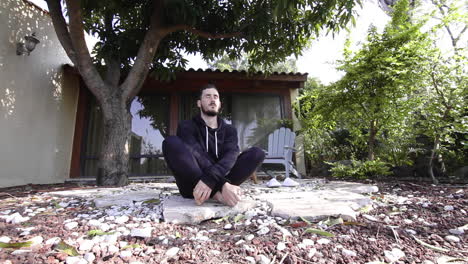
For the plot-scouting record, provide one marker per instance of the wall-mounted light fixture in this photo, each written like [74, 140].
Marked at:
[28, 46]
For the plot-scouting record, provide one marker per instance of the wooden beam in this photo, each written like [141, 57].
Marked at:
[173, 113]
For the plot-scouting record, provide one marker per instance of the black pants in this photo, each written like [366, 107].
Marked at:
[187, 172]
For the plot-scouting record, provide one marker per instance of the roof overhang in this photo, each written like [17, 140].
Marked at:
[192, 80]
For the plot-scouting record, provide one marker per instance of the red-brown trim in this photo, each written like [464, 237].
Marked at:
[83, 103]
[287, 104]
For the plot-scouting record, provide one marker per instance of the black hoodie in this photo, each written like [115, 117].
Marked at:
[215, 150]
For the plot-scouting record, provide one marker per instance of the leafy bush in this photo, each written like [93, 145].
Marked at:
[360, 169]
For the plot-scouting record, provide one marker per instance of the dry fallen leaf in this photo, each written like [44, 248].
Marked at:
[319, 232]
[16, 245]
[65, 248]
[430, 246]
[298, 224]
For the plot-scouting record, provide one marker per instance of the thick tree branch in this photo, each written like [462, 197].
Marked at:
[455, 39]
[452, 37]
[112, 62]
[134, 81]
[201, 33]
[155, 34]
[112, 71]
[55, 11]
[85, 65]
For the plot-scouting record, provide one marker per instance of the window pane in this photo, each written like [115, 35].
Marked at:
[255, 117]
[147, 166]
[150, 125]
[188, 106]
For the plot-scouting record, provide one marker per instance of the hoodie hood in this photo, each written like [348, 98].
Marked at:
[210, 135]
[200, 122]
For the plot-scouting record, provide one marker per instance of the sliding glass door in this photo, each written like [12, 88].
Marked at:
[254, 116]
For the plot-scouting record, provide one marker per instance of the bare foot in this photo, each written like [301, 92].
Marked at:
[219, 197]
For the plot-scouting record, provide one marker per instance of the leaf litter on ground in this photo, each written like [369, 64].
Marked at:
[16, 245]
[305, 220]
[97, 232]
[152, 201]
[430, 246]
[319, 232]
[67, 249]
[219, 220]
[131, 246]
[331, 221]
[238, 218]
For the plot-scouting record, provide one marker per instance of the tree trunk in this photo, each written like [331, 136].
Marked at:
[371, 141]
[431, 160]
[114, 157]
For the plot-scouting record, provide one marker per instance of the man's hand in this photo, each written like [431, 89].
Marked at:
[201, 192]
[231, 194]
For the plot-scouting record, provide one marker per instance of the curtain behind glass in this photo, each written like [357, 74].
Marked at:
[188, 106]
[255, 117]
[93, 140]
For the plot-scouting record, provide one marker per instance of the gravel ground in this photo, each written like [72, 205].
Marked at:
[408, 223]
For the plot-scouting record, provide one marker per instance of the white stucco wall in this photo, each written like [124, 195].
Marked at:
[37, 101]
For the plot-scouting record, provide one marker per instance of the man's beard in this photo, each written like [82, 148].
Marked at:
[209, 112]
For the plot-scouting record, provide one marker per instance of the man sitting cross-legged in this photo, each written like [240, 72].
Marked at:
[204, 156]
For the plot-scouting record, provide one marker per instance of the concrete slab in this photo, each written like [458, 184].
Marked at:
[316, 205]
[98, 192]
[126, 199]
[312, 199]
[87, 193]
[179, 210]
[353, 187]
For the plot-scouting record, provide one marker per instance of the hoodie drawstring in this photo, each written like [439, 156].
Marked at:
[216, 141]
[206, 129]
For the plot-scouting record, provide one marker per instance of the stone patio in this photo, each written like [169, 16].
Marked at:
[312, 199]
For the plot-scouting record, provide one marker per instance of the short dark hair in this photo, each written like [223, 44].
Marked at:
[206, 86]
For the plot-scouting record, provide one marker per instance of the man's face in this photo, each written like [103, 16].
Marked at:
[209, 102]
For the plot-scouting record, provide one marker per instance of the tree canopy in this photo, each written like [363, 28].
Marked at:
[242, 64]
[377, 90]
[400, 91]
[142, 36]
[268, 31]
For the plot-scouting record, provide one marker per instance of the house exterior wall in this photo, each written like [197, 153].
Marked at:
[37, 100]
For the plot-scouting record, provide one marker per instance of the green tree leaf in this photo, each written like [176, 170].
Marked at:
[65, 248]
[319, 232]
[16, 245]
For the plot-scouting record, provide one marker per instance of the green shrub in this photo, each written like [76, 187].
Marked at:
[360, 169]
